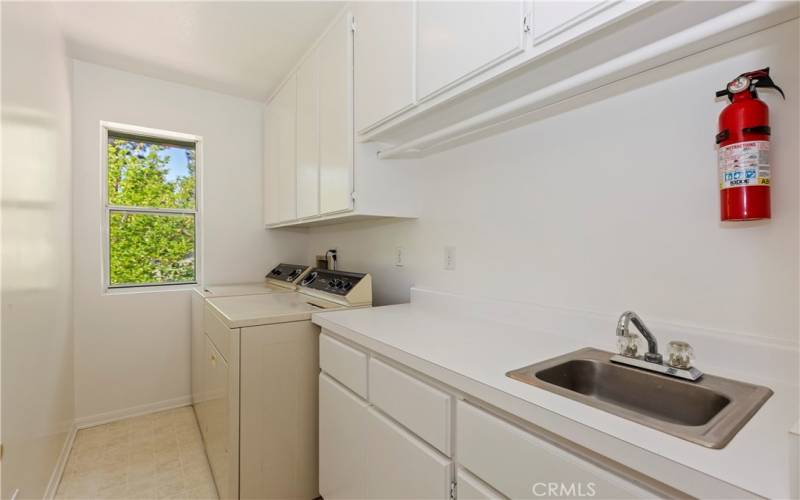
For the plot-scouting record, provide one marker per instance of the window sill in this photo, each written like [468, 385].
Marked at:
[150, 289]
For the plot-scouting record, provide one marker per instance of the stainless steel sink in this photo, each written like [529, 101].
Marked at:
[709, 411]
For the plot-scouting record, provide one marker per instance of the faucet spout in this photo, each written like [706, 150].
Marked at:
[623, 326]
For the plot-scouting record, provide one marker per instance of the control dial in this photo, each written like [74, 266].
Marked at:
[309, 279]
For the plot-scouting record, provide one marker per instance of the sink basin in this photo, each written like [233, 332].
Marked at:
[709, 411]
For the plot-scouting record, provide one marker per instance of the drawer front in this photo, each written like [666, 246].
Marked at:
[345, 364]
[219, 334]
[423, 409]
[471, 488]
[400, 465]
[521, 465]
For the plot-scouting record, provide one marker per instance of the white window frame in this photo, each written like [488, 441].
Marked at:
[166, 135]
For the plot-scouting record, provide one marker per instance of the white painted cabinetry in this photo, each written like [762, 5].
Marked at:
[280, 169]
[342, 441]
[308, 91]
[336, 118]
[392, 445]
[311, 162]
[457, 40]
[384, 60]
[472, 488]
[520, 464]
[399, 465]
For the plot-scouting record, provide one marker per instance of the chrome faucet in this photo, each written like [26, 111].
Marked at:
[652, 359]
[627, 317]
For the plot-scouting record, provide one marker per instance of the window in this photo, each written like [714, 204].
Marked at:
[151, 215]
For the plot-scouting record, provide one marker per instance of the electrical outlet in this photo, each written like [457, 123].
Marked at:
[399, 257]
[449, 258]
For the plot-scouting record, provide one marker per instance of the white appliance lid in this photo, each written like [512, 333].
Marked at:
[266, 309]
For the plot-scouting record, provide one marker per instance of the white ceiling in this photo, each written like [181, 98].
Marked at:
[239, 48]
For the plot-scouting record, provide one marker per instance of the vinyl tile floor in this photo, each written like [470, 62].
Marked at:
[148, 457]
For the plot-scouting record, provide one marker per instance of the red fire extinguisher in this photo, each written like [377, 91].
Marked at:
[743, 153]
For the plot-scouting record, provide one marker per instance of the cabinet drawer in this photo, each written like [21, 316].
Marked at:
[345, 364]
[219, 334]
[520, 464]
[400, 465]
[471, 488]
[418, 406]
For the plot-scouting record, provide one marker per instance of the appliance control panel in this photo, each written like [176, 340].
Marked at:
[335, 282]
[286, 272]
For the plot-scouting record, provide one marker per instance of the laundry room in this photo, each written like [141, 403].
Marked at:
[408, 249]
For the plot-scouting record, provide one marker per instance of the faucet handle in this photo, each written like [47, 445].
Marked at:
[680, 354]
[629, 344]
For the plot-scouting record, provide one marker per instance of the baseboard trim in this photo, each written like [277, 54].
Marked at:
[134, 411]
[61, 464]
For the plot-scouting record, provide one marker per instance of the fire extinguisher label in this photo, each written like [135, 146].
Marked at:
[744, 164]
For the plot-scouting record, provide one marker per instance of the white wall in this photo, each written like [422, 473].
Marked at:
[37, 365]
[610, 206]
[132, 349]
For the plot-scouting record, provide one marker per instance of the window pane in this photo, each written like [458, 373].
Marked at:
[151, 248]
[145, 173]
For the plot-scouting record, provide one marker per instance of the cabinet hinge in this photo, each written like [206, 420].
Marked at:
[526, 23]
[452, 490]
[353, 24]
[353, 196]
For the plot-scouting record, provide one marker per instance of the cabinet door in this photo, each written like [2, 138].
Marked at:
[336, 118]
[471, 488]
[308, 137]
[456, 40]
[400, 465]
[217, 425]
[284, 119]
[384, 60]
[342, 441]
[271, 154]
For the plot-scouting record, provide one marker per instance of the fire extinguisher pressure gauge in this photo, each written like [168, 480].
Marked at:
[740, 84]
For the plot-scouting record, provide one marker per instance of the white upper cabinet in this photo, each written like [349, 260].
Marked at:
[336, 118]
[270, 167]
[283, 141]
[456, 40]
[557, 22]
[384, 60]
[308, 137]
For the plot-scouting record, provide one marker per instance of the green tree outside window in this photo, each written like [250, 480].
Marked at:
[152, 202]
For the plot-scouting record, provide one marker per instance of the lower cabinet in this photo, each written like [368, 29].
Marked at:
[371, 448]
[471, 488]
[401, 465]
[342, 441]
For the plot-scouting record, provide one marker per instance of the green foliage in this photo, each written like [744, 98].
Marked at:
[149, 248]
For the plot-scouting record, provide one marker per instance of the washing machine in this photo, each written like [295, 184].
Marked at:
[260, 422]
[282, 278]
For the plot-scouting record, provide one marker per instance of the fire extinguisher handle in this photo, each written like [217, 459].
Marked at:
[767, 83]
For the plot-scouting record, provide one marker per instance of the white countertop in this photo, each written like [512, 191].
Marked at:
[473, 355]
